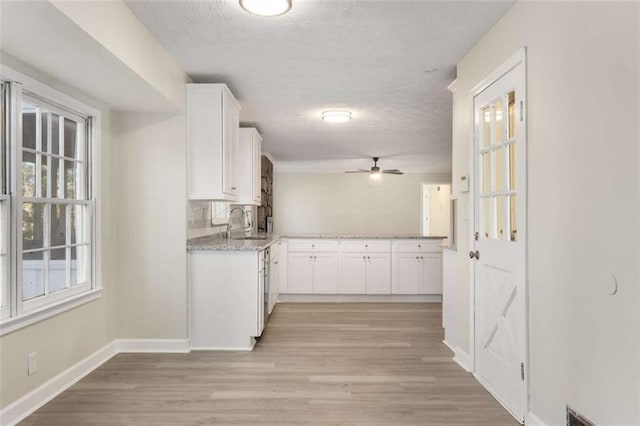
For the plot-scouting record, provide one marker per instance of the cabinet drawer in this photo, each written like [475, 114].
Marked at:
[365, 246]
[313, 245]
[417, 246]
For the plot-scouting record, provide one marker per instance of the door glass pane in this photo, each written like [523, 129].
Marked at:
[485, 118]
[28, 174]
[32, 225]
[32, 275]
[511, 98]
[57, 270]
[500, 234]
[56, 178]
[499, 169]
[486, 173]
[513, 219]
[58, 225]
[498, 119]
[512, 167]
[486, 217]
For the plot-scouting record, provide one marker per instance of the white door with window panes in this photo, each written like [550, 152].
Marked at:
[500, 348]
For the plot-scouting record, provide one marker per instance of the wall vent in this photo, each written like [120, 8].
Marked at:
[576, 419]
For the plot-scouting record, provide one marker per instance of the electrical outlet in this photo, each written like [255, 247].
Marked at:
[32, 360]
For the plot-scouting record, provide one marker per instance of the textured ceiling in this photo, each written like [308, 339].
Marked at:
[389, 62]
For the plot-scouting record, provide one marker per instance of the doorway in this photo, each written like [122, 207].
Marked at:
[435, 208]
[500, 342]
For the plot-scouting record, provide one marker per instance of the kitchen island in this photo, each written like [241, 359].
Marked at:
[235, 283]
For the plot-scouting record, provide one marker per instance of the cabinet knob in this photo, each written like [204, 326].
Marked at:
[366, 246]
[419, 245]
[364, 257]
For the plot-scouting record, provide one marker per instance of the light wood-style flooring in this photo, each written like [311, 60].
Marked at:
[316, 364]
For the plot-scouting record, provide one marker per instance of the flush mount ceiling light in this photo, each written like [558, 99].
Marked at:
[336, 116]
[266, 7]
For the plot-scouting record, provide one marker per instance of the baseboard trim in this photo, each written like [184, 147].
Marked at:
[23, 407]
[533, 420]
[224, 348]
[359, 298]
[448, 345]
[463, 359]
[153, 345]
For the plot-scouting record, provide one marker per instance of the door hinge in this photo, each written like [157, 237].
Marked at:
[521, 111]
[522, 370]
[477, 236]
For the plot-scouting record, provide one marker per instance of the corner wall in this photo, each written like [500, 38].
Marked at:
[583, 94]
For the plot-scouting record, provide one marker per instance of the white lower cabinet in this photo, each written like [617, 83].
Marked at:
[365, 273]
[313, 273]
[417, 273]
[300, 273]
[353, 273]
[405, 267]
[379, 273]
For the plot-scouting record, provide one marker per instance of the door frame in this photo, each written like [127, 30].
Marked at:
[423, 188]
[520, 57]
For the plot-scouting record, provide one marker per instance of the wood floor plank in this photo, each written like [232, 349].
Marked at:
[316, 364]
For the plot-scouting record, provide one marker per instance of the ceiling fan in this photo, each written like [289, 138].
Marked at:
[375, 172]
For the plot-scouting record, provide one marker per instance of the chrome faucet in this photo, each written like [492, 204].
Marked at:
[230, 224]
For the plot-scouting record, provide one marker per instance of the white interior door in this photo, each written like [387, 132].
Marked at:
[500, 351]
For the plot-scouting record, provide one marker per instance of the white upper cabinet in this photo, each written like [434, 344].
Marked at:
[249, 162]
[213, 126]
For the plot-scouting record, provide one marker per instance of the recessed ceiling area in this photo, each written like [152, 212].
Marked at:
[387, 62]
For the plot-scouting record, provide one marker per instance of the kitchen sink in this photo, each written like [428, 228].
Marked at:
[253, 237]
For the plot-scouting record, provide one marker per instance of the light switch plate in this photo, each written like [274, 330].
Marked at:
[32, 360]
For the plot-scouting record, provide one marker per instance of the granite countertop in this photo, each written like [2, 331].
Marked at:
[216, 243]
[361, 236]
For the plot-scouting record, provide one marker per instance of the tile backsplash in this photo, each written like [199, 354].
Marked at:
[208, 218]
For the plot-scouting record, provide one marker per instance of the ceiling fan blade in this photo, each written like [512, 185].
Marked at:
[357, 171]
[393, 172]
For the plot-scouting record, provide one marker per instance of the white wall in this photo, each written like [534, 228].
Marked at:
[583, 68]
[345, 203]
[152, 269]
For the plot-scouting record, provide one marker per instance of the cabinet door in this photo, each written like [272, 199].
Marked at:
[353, 274]
[431, 265]
[407, 273]
[230, 136]
[257, 168]
[260, 310]
[300, 273]
[378, 273]
[325, 273]
[274, 283]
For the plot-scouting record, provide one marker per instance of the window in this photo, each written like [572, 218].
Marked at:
[47, 239]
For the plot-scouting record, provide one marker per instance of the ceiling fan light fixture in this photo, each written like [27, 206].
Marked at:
[336, 116]
[266, 7]
[375, 175]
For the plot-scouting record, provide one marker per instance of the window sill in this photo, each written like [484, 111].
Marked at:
[10, 325]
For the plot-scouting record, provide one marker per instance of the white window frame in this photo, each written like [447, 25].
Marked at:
[23, 313]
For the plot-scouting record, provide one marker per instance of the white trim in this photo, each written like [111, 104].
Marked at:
[225, 348]
[463, 359]
[270, 157]
[12, 324]
[533, 420]
[363, 298]
[153, 345]
[23, 407]
[489, 389]
[449, 345]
